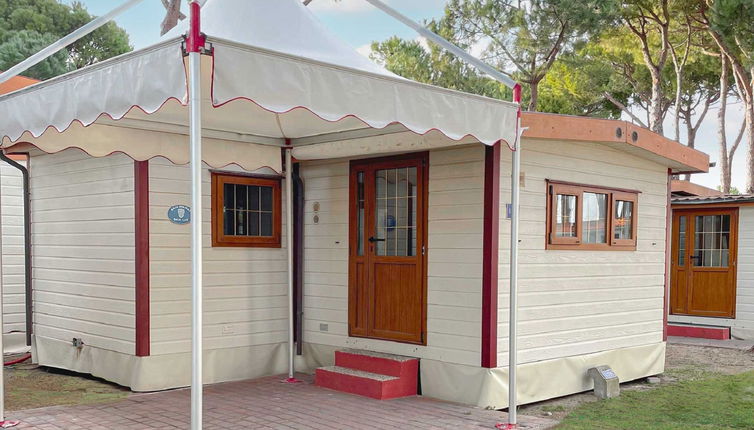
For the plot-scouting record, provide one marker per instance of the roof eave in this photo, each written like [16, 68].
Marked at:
[624, 135]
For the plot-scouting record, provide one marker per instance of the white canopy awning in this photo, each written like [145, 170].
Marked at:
[275, 76]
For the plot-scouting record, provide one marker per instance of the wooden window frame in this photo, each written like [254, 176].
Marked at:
[625, 197]
[219, 238]
[555, 188]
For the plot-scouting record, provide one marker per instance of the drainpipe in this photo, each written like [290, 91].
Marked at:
[298, 256]
[27, 243]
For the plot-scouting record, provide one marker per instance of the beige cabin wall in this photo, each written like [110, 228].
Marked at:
[14, 295]
[582, 302]
[83, 244]
[245, 289]
[743, 325]
[456, 183]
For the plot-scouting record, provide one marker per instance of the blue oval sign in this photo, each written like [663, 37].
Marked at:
[179, 214]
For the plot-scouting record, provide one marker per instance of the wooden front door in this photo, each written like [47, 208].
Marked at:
[387, 249]
[703, 269]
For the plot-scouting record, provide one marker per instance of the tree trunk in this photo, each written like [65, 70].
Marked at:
[721, 137]
[750, 155]
[655, 106]
[534, 87]
[678, 93]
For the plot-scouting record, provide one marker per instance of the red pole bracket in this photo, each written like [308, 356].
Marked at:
[196, 40]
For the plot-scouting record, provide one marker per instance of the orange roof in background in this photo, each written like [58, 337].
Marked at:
[16, 83]
[686, 188]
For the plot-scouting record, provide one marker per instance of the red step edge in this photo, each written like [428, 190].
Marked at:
[717, 333]
[380, 365]
[380, 390]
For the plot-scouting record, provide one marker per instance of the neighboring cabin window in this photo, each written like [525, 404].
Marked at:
[245, 211]
[590, 217]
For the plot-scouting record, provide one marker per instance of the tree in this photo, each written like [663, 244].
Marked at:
[433, 65]
[525, 38]
[730, 23]
[649, 21]
[26, 26]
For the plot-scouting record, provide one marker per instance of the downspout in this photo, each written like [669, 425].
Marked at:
[27, 243]
[298, 256]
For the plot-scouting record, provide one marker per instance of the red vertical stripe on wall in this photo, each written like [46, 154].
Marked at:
[141, 217]
[668, 244]
[490, 254]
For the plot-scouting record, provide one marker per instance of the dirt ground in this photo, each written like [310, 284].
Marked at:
[29, 386]
[682, 362]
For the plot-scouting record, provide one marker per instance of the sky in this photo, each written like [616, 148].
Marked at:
[359, 24]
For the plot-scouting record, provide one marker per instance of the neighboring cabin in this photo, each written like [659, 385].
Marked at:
[712, 269]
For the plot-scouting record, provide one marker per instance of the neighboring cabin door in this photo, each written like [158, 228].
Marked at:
[387, 248]
[703, 269]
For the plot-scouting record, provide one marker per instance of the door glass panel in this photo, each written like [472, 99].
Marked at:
[360, 216]
[565, 224]
[395, 212]
[682, 241]
[711, 241]
[594, 218]
[624, 220]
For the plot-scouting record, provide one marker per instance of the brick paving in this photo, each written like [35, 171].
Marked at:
[268, 403]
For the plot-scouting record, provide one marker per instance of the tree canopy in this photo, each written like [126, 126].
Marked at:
[26, 26]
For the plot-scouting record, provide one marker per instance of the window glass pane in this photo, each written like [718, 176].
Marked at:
[242, 194]
[254, 224]
[360, 219]
[248, 210]
[711, 241]
[682, 241]
[253, 198]
[229, 196]
[266, 224]
[396, 212]
[594, 218]
[266, 199]
[565, 216]
[624, 220]
[229, 222]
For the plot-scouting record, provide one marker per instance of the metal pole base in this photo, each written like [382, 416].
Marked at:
[291, 381]
[501, 426]
[8, 424]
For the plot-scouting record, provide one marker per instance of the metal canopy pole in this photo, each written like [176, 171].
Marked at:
[2, 351]
[513, 277]
[194, 46]
[65, 41]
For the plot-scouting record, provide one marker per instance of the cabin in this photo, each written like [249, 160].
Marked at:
[390, 224]
[712, 290]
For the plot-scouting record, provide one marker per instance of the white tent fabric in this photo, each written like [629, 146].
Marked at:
[302, 80]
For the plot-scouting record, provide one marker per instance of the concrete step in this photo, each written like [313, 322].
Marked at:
[363, 383]
[376, 362]
[698, 331]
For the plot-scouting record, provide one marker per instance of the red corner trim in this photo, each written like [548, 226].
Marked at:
[668, 240]
[141, 217]
[490, 254]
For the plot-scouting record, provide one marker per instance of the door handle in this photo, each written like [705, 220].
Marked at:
[374, 239]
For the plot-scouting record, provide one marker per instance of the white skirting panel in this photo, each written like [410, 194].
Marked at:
[162, 372]
[488, 388]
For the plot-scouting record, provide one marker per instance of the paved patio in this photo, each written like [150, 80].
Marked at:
[267, 403]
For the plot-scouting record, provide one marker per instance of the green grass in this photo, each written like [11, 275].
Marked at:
[35, 388]
[720, 402]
